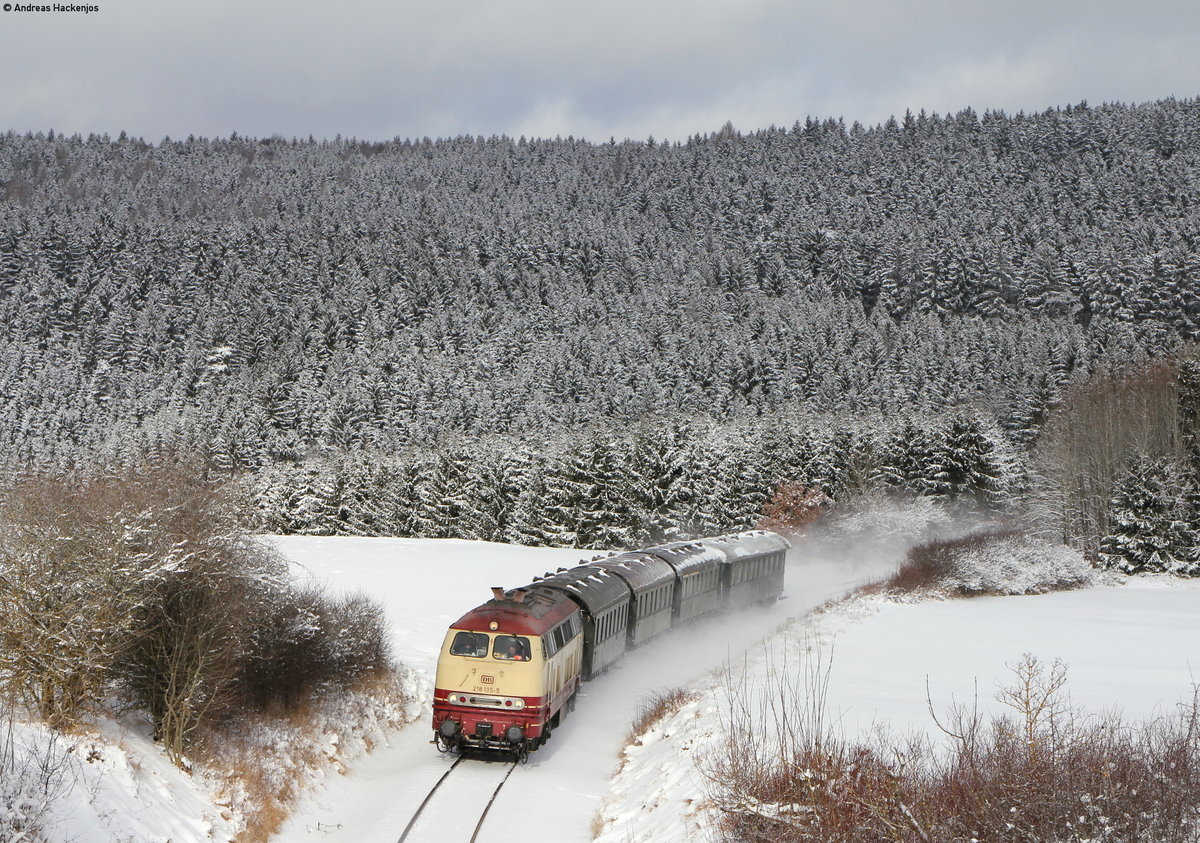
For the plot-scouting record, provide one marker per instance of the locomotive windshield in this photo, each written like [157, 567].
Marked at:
[473, 644]
[511, 648]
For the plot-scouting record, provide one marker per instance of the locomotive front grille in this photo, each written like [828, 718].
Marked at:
[486, 701]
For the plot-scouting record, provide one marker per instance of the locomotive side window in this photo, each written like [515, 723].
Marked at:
[511, 648]
[473, 644]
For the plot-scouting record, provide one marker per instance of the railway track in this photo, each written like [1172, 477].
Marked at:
[457, 805]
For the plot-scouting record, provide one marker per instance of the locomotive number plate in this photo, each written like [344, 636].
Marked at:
[486, 679]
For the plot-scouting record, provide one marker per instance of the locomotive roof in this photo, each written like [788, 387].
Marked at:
[642, 571]
[594, 588]
[748, 543]
[688, 557]
[538, 612]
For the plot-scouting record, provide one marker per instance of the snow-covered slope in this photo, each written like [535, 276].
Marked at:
[1130, 646]
[113, 785]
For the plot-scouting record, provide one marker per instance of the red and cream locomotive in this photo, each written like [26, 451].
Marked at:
[509, 669]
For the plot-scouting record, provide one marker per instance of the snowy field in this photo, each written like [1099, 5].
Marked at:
[1130, 647]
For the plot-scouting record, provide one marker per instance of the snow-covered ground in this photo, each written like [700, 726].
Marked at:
[110, 785]
[1127, 646]
[426, 585]
[1131, 646]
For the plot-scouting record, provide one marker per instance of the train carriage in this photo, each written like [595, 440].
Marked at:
[652, 583]
[698, 578]
[753, 568]
[604, 601]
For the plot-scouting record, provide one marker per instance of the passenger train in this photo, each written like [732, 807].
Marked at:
[509, 670]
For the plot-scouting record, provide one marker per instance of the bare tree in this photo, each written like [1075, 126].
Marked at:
[72, 573]
[1101, 426]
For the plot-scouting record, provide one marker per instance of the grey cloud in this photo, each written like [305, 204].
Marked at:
[623, 68]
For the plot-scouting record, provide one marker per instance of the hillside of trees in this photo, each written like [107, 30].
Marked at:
[572, 342]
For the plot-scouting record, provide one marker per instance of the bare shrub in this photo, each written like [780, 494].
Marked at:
[184, 659]
[33, 776]
[191, 626]
[793, 508]
[1052, 773]
[306, 641]
[769, 731]
[75, 560]
[145, 585]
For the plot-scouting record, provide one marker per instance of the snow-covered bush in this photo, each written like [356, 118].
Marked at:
[1017, 564]
[145, 588]
[33, 775]
[999, 562]
[306, 641]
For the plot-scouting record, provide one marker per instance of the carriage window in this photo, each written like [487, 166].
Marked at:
[511, 648]
[472, 644]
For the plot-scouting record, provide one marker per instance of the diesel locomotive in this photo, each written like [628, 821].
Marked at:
[509, 670]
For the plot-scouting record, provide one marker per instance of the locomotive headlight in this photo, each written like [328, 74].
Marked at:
[449, 728]
[515, 734]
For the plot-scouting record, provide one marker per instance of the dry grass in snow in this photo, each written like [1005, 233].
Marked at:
[1048, 772]
[260, 769]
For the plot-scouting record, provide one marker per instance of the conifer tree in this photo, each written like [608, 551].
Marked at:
[1154, 528]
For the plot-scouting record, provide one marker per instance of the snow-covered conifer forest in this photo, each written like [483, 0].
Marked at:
[605, 344]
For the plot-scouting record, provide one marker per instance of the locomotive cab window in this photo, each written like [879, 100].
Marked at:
[511, 648]
[473, 644]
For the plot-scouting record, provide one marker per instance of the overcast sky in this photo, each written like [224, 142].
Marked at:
[595, 69]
